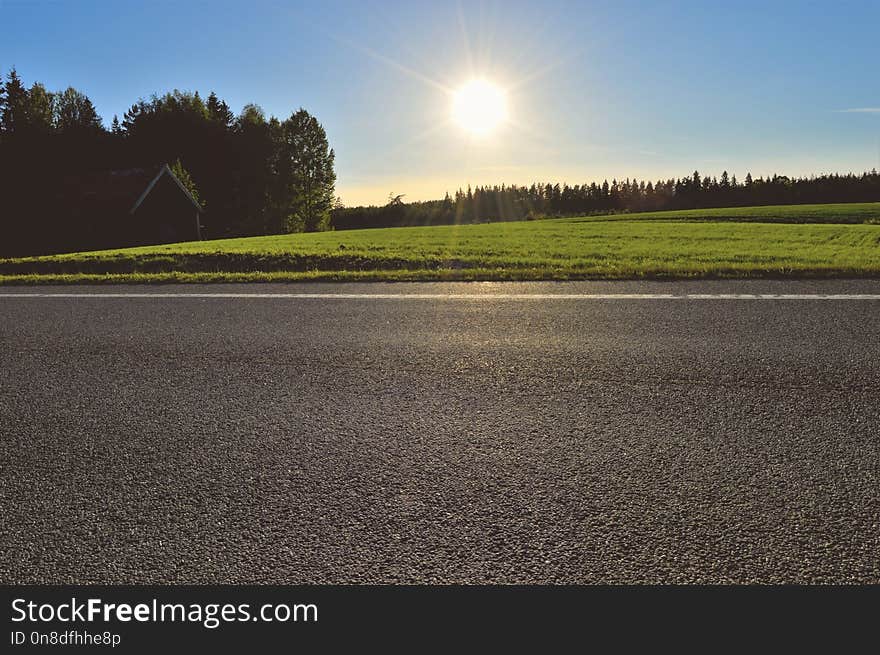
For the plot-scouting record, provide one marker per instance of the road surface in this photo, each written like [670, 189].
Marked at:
[607, 436]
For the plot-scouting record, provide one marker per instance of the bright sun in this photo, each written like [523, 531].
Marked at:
[479, 107]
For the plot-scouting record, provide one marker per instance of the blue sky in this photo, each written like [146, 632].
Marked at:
[595, 89]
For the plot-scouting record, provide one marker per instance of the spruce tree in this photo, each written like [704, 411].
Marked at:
[219, 111]
[14, 115]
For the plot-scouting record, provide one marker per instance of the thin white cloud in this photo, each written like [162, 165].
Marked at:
[860, 110]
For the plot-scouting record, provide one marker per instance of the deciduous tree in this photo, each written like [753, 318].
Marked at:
[305, 165]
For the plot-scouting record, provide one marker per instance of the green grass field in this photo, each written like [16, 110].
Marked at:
[798, 241]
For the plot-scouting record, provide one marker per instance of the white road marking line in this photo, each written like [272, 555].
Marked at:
[463, 296]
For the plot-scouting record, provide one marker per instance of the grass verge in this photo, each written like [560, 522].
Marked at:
[701, 243]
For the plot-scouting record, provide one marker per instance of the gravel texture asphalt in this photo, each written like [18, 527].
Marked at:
[236, 440]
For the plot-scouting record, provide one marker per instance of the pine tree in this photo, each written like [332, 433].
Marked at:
[219, 111]
[14, 116]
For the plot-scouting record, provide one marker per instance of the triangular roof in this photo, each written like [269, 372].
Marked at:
[165, 169]
[116, 192]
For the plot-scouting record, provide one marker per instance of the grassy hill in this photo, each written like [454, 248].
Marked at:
[799, 240]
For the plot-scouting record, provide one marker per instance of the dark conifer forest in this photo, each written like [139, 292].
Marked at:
[252, 174]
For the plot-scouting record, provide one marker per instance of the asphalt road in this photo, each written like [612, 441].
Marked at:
[300, 440]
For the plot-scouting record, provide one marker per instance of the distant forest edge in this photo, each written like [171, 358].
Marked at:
[255, 175]
[516, 203]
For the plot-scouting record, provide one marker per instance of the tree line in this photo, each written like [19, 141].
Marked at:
[261, 175]
[253, 174]
[514, 203]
